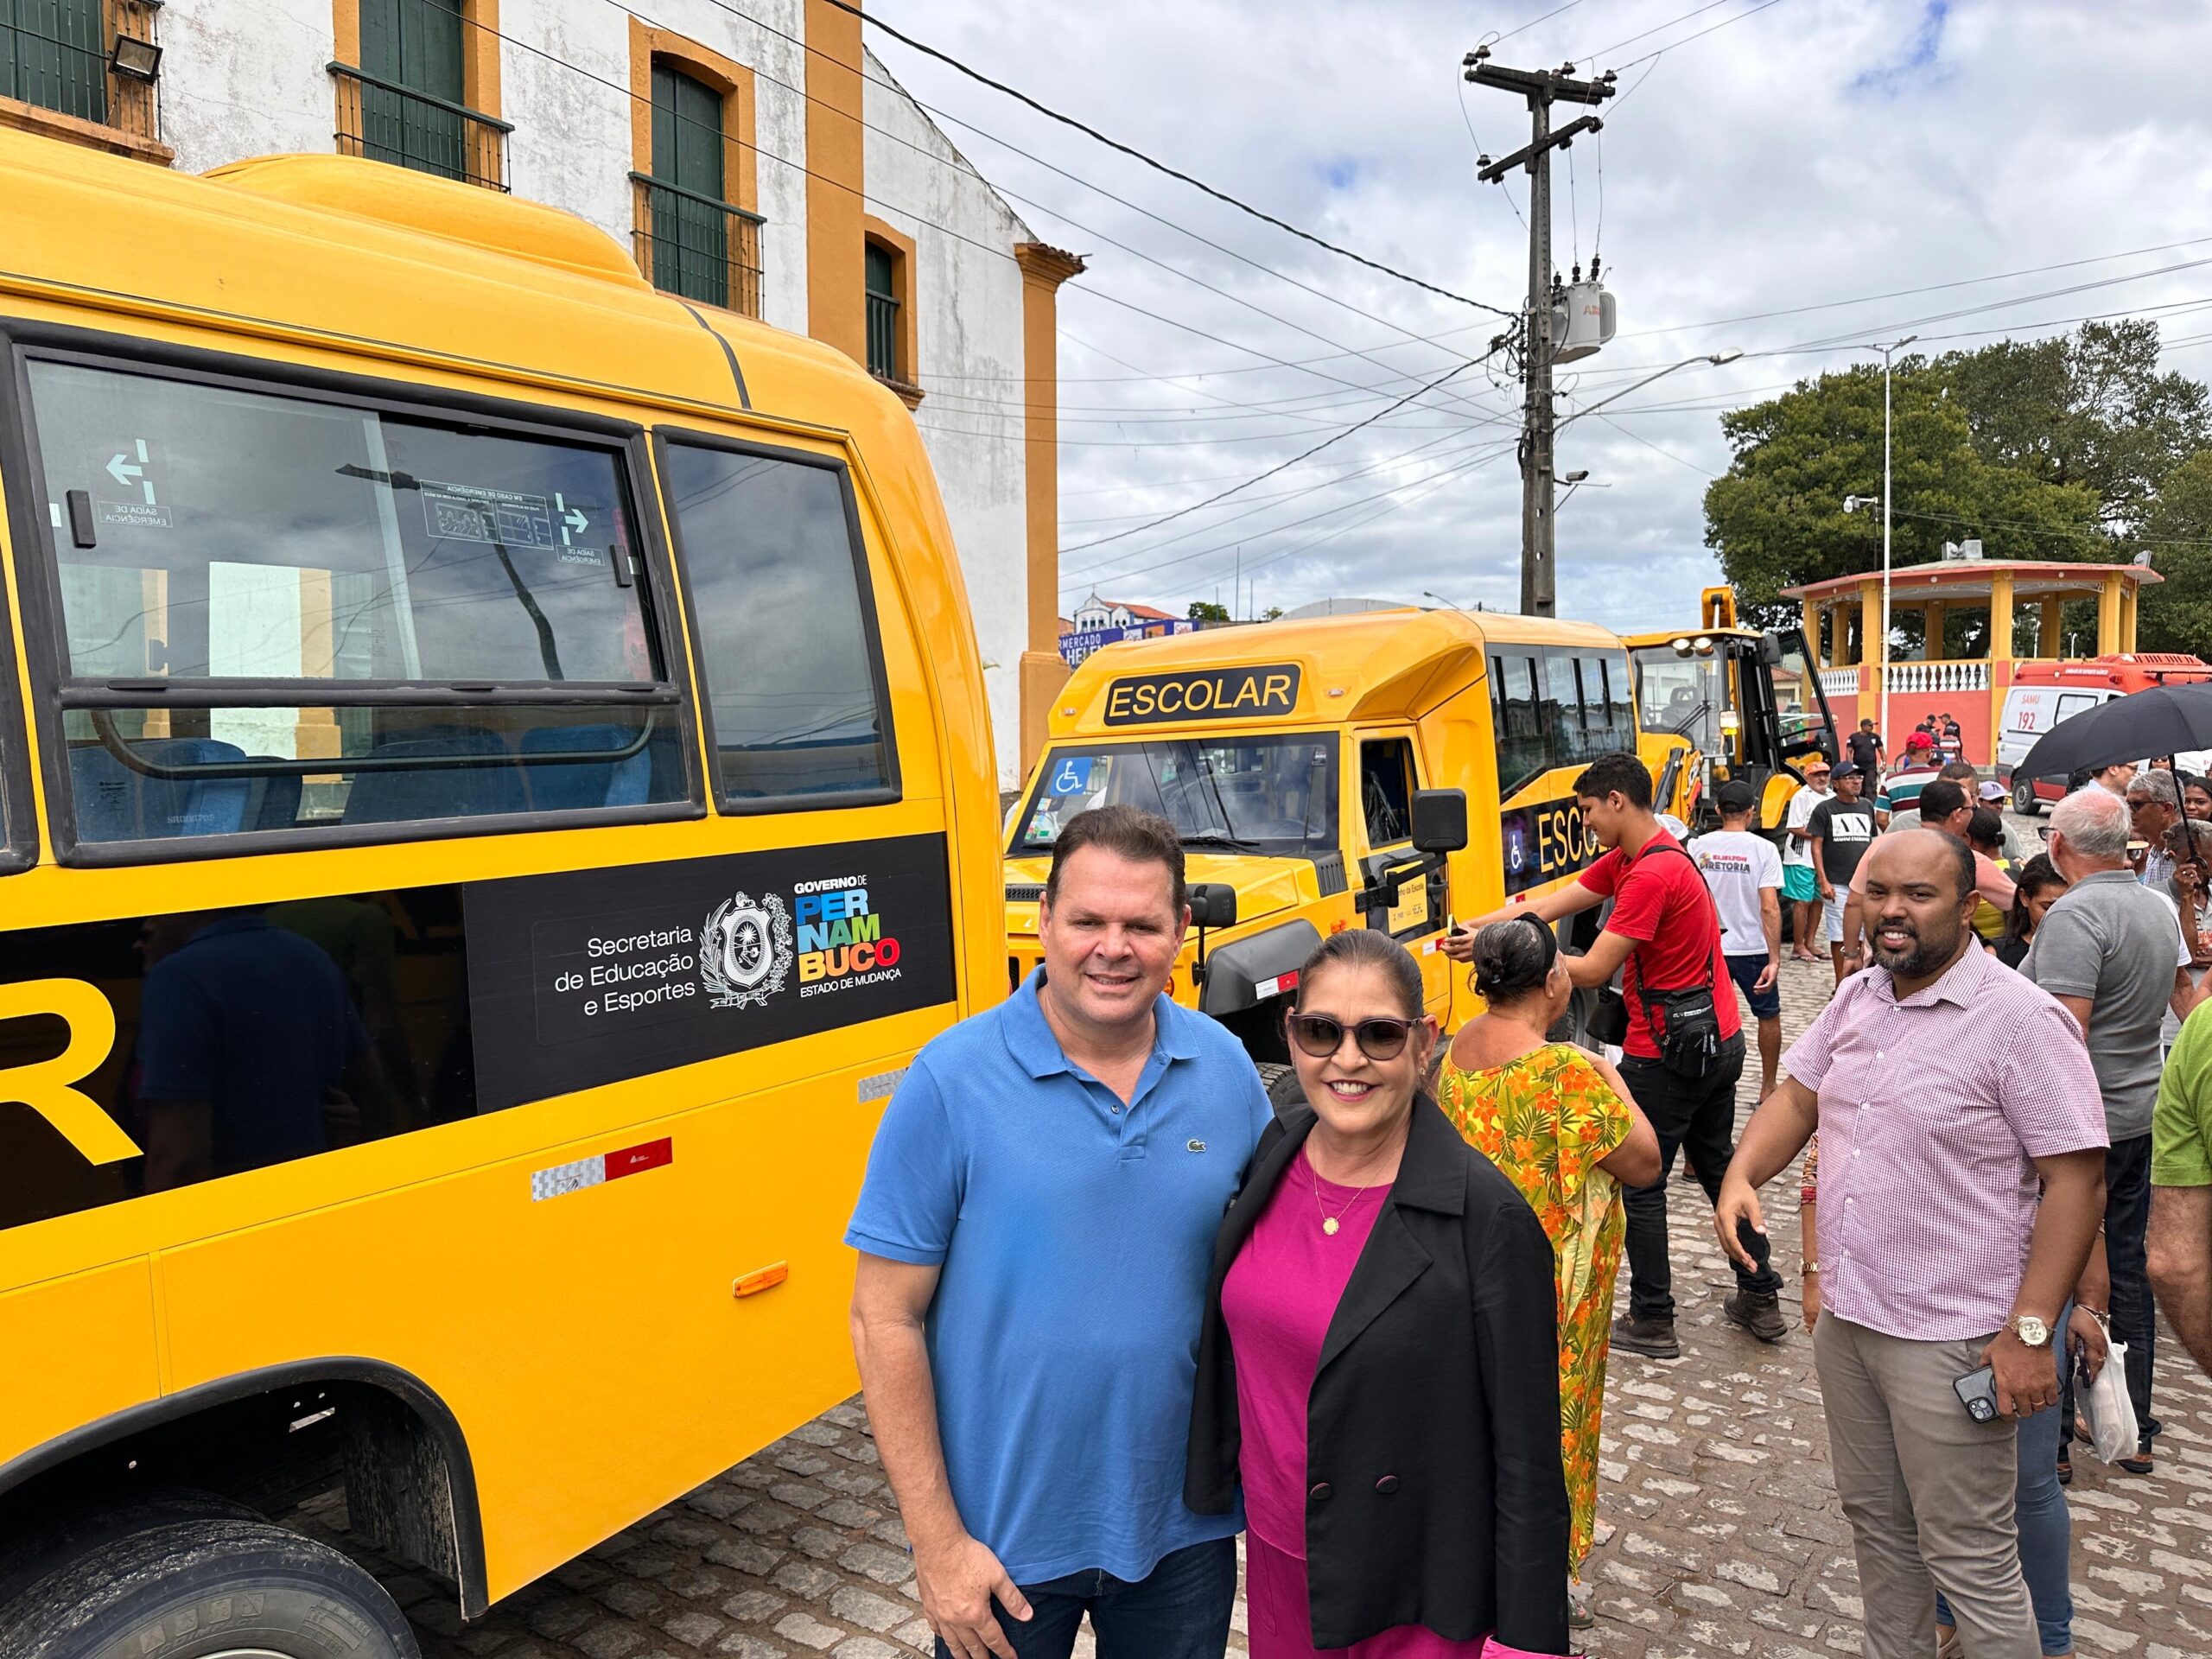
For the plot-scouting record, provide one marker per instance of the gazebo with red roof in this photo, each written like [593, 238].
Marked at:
[1970, 689]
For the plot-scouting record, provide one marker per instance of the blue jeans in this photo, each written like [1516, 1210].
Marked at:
[2046, 1529]
[1180, 1611]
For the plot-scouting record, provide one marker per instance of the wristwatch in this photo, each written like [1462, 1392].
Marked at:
[2032, 1332]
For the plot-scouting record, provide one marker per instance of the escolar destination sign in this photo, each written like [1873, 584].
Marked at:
[1264, 691]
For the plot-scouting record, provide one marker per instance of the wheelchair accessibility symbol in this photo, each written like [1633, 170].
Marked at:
[1072, 776]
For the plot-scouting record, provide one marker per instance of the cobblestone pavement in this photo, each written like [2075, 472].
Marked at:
[1719, 1526]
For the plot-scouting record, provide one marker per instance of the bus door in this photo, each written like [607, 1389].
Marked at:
[1381, 827]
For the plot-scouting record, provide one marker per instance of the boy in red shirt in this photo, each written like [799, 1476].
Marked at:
[1663, 936]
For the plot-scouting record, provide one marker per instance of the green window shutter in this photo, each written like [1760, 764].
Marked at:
[53, 53]
[687, 132]
[882, 313]
[418, 45]
[691, 229]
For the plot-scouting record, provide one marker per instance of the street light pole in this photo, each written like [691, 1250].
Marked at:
[1883, 661]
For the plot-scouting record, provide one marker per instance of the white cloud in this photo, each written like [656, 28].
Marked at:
[1819, 151]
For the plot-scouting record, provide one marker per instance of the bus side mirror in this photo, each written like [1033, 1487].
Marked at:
[1213, 904]
[1440, 820]
[1770, 650]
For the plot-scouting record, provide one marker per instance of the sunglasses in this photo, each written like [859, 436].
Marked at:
[1321, 1036]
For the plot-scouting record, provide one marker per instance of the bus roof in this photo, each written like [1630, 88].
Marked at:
[339, 250]
[1375, 665]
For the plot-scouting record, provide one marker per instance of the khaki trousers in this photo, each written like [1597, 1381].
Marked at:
[1928, 1493]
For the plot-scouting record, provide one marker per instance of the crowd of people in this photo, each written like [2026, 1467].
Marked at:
[1113, 1309]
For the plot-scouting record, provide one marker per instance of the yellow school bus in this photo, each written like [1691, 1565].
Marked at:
[484, 833]
[1300, 759]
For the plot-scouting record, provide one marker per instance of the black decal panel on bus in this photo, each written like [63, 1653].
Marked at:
[588, 976]
[150, 1052]
[1543, 841]
[1267, 692]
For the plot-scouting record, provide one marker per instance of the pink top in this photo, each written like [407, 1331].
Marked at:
[1280, 1295]
[1932, 1111]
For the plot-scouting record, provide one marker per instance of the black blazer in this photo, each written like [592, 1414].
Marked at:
[1435, 1492]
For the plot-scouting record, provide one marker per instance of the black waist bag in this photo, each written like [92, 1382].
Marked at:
[1685, 1023]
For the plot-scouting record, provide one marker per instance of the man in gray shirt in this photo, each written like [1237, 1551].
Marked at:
[2110, 950]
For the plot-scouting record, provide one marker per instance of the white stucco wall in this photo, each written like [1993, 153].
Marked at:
[240, 80]
[968, 330]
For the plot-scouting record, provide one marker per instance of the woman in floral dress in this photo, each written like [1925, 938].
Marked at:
[1559, 1123]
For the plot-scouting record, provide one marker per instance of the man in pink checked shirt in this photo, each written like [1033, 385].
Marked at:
[1945, 1087]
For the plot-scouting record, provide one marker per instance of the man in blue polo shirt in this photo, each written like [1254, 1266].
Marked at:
[1035, 1231]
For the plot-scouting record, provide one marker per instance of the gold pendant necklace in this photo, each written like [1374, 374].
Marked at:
[1329, 1224]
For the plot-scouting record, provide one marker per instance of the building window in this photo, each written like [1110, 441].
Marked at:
[53, 53]
[691, 240]
[889, 271]
[883, 312]
[407, 100]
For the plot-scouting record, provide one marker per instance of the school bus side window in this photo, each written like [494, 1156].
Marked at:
[786, 648]
[282, 614]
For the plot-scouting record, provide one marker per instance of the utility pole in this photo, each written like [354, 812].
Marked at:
[1541, 88]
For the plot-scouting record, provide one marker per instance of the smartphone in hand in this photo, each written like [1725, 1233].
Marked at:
[1977, 1392]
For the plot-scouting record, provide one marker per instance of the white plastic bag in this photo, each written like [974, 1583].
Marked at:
[2113, 1431]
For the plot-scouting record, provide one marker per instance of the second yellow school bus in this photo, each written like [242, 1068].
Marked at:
[1296, 759]
[461, 714]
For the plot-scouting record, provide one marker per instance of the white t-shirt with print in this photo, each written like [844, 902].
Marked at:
[1737, 864]
[1794, 851]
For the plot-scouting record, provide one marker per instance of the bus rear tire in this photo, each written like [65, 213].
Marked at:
[185, 1589]
[2024, 797]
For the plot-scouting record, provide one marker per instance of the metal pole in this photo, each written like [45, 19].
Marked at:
[1887, 736]
[1538, 578]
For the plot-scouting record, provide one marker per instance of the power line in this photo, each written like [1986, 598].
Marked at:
[871, 21]
[1417, 494]
[1092, 290]
[1499, 449]
[1444, 446]
[1223, 495]
[1645, 35]
[893, 87]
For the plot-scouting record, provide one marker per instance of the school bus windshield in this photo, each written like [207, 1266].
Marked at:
[1273, 794]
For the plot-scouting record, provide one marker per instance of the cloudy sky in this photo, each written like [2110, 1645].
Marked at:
[1785, 178]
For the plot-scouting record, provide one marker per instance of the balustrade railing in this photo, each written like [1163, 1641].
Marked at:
[696, 245]
[386, 122]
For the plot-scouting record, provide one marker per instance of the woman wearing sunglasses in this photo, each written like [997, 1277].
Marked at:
[1376, 1367]
[1560, 1124]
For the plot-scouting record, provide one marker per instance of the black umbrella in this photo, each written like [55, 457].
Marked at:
[2164, 720]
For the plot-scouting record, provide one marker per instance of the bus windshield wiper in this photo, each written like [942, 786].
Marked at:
[1220, 838]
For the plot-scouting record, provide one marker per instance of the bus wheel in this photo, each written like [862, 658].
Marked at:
[2024, 797]
[200, 1588]
[1283, 1091]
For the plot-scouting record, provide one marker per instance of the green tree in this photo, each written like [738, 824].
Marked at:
[2176, 611]
[1204, 610]
[2088, 408]
[1776, 516]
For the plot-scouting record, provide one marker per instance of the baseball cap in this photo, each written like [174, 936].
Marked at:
[1735, 795]
[1846, 769]
[1992, 791]
[1816, 762]
[1920, 740]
